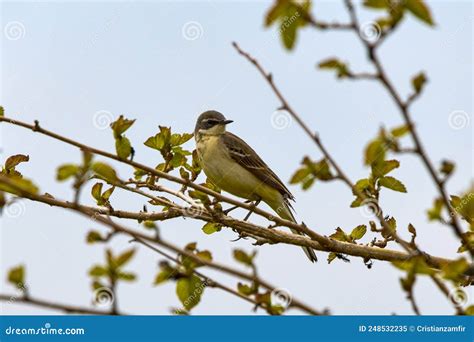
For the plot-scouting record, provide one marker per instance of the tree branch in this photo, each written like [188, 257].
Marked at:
[403, 108]
[274, 235]
[51, 305]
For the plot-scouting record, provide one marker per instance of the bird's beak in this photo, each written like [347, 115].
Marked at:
[226, 122]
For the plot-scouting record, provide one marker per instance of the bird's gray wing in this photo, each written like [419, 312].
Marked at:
[243, 154]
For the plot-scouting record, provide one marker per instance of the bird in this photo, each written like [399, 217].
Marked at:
[232, 165]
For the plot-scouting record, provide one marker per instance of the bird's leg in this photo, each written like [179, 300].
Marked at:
[241, 236]
[254, 205]
[227, 211]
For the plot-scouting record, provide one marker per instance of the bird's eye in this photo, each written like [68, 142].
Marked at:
[212, 122]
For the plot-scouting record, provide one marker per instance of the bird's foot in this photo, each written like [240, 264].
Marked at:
[227, 211]
[253, 206]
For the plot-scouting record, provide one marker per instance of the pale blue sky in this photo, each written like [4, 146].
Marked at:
[74, 60]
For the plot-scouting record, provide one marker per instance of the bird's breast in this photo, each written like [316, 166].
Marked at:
[225, 172]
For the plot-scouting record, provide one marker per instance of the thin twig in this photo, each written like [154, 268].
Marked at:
[403, 108]
[207, 280]
[52, 305]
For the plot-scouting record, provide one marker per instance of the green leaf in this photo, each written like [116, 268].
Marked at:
[97, 285]
[291, 16]
[363, 185]
[98, 271]
[19, 185]
[469, 310]
[288, 35]
[375, 152]
[125, 257]
[162, 277]
[340, 235]
[245, 289]
[196, 194]
[469, 237]
[120, 125]
[400, 131]
[106, 195]
[334, 64]
[434, 214]
[412, 230]
[384, 167]
[308, 183]
[392, 224]
[419, 9]
[243, 257]
[13, 161]
[123, 147]
[16, 276]
[277, 11]
[105, 171]
[191, 247]
[94, 236]
[377, 4]
[126, 276]
[358, 232]
[455, 201]
[392, 183]
[465, 207]
[66, 171]
[211, 227]
[455, 270]
[179, 139]
[418, 82]
[300, 175]
[160, 140]
[189, 291]
[319, 169]
[357, 202]
[204, 255]
[2, 112]
[87, 157]
[183, 173]
[415, 264]
[96, 192]
[154, 142]
[447, 167]
[166, 273]
[331, 257]
[150, 225]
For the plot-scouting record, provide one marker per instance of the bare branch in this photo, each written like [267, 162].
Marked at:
[52, 305]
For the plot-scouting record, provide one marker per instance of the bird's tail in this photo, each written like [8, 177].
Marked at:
[283, 210]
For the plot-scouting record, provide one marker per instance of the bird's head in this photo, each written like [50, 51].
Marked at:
[211, 122]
